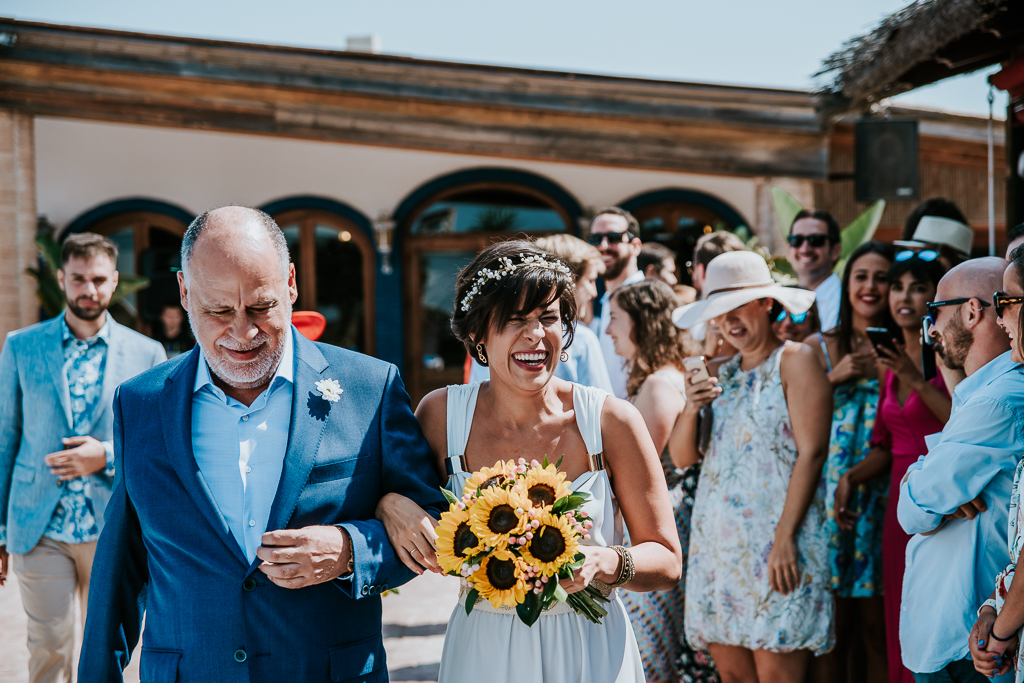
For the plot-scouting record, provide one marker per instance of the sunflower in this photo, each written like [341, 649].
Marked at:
[486, 477]
[494, 516]
[501, 579]
[553, 544]
[455, 540]
[545, 486]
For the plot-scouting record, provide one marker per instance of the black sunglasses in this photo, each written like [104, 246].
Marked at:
[1000, 301]
[933, 306]
[596, 238]
[816, 241]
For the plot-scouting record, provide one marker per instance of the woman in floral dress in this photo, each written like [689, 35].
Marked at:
[641, 327]
[855, 534]
[757, 583]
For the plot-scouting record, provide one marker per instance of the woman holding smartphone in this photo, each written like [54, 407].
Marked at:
[757, 583]
[846, 353]
[909, 408]
[642, 330]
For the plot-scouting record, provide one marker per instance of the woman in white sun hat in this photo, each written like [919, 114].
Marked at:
[757, 584]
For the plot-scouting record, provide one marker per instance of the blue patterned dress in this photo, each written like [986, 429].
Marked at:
[657, 617]
[856, 555]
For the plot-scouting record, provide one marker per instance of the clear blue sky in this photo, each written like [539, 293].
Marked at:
[744, 42]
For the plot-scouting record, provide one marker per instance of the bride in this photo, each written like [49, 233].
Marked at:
[514, 309]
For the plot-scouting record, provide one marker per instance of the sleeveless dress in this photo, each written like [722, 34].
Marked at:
[1015, 541]
[855, 555]
[657, 616]
[493, 645]
[740, 496]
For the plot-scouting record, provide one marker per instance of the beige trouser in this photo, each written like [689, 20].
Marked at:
[50, 576]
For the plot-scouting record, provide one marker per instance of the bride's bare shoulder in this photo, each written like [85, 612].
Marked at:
[432, 413]
[620, 418]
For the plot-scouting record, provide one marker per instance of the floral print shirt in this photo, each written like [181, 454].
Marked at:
[74, 520]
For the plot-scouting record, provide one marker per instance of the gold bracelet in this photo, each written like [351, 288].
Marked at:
[627, 570]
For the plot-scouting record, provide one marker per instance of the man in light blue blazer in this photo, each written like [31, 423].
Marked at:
[57, 382]
[242, 523]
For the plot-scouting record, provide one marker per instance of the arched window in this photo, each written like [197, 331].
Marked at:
[677, 218]
[334, 268]
[148, 235]
[443, 226]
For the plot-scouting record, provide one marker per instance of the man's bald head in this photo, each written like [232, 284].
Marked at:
[236, 228]
[974, 278]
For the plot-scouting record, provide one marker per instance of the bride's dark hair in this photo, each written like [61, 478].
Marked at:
[520, 292]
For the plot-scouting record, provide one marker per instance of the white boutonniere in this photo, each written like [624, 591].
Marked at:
[329, 390]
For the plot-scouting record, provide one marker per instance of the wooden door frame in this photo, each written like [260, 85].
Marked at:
[307, 220]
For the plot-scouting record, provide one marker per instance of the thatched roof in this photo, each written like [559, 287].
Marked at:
[925, 42]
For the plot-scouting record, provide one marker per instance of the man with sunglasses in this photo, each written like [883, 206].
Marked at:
[614, 232]
[955, 499]
[814, 248]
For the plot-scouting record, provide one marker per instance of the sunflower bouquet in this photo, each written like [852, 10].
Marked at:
[514, 533]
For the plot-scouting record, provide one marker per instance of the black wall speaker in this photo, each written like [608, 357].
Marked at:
[886, 160]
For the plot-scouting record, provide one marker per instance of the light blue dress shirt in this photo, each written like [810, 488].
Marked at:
[240, 449]
[950, 573]
[74, 519]
[585, 365]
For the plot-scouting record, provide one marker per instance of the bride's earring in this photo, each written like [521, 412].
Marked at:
[564, 357]
[481, 355]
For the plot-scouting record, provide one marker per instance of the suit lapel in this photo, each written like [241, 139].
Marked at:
[111, 372]
[305, 430]
[176, 416]
[54, 356]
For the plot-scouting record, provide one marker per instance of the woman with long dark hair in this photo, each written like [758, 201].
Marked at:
[641, 327]
[909, 409]
[845, 352]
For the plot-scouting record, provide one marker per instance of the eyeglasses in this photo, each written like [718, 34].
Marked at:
[797, 318]
[1000, 301]
[925, 255]
[928, 321]
[596, 238]
[817, 241]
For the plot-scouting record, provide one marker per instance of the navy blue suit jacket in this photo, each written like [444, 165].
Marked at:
[166, 551]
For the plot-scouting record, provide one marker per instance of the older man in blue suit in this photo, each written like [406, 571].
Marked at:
[57, 382]
[249, 472]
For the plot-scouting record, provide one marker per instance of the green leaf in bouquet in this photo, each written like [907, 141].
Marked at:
[471, 600]
[560, 593]
[559, 463]
[544, 462]
[529, 609]
[449, 496]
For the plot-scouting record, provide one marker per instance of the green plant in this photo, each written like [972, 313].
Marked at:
[859, 231]
[782, 271]
[48, 291]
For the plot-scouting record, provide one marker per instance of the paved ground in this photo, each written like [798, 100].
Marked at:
[414, 624]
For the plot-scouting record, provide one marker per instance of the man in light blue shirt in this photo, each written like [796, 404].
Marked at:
[240, 449]
[968, 470]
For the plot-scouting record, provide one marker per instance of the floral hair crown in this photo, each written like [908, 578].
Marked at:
[507, 268]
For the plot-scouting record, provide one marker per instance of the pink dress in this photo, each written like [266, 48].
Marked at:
[902, 431]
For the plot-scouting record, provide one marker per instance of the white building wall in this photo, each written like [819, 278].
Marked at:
[81, 164]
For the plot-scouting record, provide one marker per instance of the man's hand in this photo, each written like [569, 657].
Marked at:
[4, 562]
[970, 510]
[296, 558]
[84, 455]
[998, 655]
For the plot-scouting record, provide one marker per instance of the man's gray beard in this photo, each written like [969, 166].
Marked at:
[249, 375]
[956, 343]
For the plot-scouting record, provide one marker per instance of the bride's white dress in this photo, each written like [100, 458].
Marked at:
[494, 645]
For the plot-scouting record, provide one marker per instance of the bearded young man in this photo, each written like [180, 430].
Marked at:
[57, 383]
[955, 499]
[616, 234]
[243, 520]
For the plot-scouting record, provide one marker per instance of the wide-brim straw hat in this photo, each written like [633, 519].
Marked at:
[935, 230]
[734, 279]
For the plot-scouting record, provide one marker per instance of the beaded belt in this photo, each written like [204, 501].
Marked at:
[558, 607]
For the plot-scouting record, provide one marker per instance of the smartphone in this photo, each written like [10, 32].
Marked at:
[692, 363]
[880, 336]
[928, 369]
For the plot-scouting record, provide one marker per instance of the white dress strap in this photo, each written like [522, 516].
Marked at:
[461, 406]
[588, 403]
